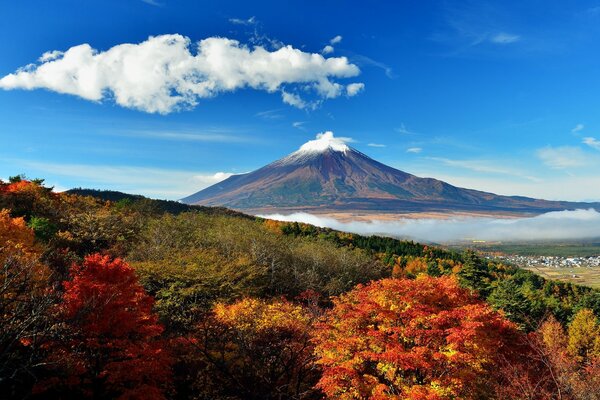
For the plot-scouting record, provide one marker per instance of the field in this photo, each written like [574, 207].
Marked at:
[525, 255]
[587, 276]
[557, 249]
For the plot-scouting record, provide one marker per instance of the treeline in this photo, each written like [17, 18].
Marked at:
[136, 298]
[526, 298]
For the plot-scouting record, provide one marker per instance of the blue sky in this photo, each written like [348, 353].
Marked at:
[498, 96]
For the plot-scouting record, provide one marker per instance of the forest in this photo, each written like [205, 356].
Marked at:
[112, 296]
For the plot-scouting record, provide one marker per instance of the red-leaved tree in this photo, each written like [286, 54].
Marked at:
[110, 344]
[411, 339]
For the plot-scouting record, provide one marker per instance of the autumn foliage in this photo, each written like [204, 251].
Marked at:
[410, 339]
[110, 345]
[215, 305]
[25, 297]
[254, 349]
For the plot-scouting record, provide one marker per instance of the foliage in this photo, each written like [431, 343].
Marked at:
[584, 336]
[216, 279]
[563, 373]
[25, 297]
[253, 349]
[413, 339]
[186, 286]
[109, 344]
[282, 265]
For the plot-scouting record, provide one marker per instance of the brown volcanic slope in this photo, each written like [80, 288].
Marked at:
[332, 177]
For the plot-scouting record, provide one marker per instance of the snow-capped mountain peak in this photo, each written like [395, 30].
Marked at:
[325, 141]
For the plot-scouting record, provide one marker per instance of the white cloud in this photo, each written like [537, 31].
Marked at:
[153, 182]
[293, 100]
[485, 167]
[504, 38]
[563, 157]
[376, 145]
[50, 55]
[239, 21]
[577, 128]
[325, 140]
[354, 88]
[364, 60]
[336, 40]
[168, 72]
[576, 224]
[187, 136]
[153, 3]
[553, 187]
[592, 142]
[327, 49]
[270, 114]
[403, 130]
[298, 124]
[414, 150]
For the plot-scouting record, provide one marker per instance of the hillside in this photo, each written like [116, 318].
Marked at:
[229, 299]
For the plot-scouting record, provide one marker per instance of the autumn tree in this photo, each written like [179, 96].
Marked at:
[253, 349]
[560, 364]
[25, 298]
[410, 339]
[584, 336]
[110, 344]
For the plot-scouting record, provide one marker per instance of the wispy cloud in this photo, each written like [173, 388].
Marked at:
[593, 10]
[336, 39]
[476, 26]
[404, 130]
[270, 114]
[154, 182]
[414, 150]
[376, 145]
[576, 224]
[504, 38]
[153, 3]
[563, 157]
[367, 61]
[217, 137]
[592, 142]
[582, 187]
[484, 167]
[298, 124]
[327, 50]
[239, 21]
[173, 73]
[578, 128]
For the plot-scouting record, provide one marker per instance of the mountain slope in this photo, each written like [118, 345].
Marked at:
[326, 174]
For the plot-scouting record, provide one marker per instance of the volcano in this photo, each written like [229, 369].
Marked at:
[327, 175]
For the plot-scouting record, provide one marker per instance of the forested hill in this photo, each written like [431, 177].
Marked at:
[115, 298]
[151, 205]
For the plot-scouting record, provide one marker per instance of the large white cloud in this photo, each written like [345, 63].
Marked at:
[168, 72]
[559, 225]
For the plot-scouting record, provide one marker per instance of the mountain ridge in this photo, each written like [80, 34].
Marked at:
[328, 175]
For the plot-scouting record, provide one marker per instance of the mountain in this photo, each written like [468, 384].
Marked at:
[328, 175]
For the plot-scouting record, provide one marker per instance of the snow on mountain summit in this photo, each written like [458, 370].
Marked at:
[325, 141]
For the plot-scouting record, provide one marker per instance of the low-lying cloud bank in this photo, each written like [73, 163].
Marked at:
[169, 72]
[558, 225]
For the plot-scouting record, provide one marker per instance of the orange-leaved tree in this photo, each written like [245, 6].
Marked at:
[25, 297]
[410, 339]
[254, 349]
[110, 345]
